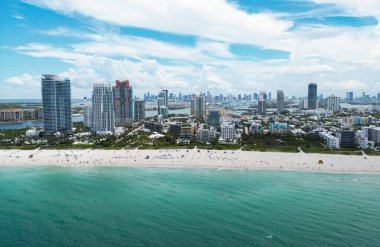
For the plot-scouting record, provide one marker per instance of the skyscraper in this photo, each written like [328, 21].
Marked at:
[262, 103]
[56, 104]
[350, 96]
[312, 96]
[139, 110]
[86, 113]
[162, 103]
[198, 106]
[280, 101]
[213, 118]
[123, 100]
[103, 113]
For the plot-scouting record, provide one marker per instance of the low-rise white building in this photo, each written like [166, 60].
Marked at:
[227, 131]
[205, 135]
[331, 141]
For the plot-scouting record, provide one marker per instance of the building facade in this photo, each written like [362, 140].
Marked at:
[213, 118]
[198, 106]
[139, 110]
[330, 140]
[123, 100]
[11, 115]
[332, 103]
[312, 96]
[56, 104]
[262, 103]
[346, 138]
[280, 101]
[103, 113]
[227, 131]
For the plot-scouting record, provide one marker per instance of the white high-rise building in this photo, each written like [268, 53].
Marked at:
[103, 113]
[332, 103]
[87, 111]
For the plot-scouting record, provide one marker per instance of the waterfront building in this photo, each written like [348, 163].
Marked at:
[11, 115]
[123, 100]
[103, 113]
[372, 133]
[204, 134]
[330, 140]
[37, 113]
[56, 104]
[187, 131]
[312, 96]
[152, 126]
[227, 131]
[280, 101]
[139, 110]
[346, 138]
[332, 103]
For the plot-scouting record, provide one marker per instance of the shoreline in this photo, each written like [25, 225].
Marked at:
[193, 158]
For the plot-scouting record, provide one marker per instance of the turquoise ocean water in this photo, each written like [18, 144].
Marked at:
[104, 206]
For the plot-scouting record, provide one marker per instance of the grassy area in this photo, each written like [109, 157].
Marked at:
[263, 148]
[372, 153]
[324, 150]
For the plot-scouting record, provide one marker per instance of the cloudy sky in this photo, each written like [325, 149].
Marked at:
[237, 46]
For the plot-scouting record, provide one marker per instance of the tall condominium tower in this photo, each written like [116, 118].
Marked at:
[198, 106]
[123, 100]
[312, 96]
[103, 114]
[162, 103]
[86, 113]
[280, 101]
[332, 103]
[262, 103]
[56, 104]
[139, 110]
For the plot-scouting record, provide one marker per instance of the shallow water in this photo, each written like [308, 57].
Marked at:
[119, 206]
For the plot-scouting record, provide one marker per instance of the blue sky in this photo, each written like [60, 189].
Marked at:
[220, 46]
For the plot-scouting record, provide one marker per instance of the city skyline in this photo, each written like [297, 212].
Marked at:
[281, 46]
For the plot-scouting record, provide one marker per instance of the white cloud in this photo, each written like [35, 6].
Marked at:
[212, 19]
[25, 80]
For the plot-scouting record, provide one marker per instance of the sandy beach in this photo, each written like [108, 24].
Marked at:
[193, 158]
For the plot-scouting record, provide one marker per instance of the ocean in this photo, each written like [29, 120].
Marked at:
[118, 206]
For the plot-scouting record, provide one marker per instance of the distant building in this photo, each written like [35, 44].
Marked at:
[56, 104]
[346, 138]
[162, 103]
[123, 101]
[87, 111]
[37, 113]
[312, 96]
[139, 110]
[103, 114]
[280, 101]
[256, 128]
[11, 115]
[262, 103]
[198, 106]
[152, 126]
[332, 103]
[213, 118]
[350, 96]
[279, 128]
